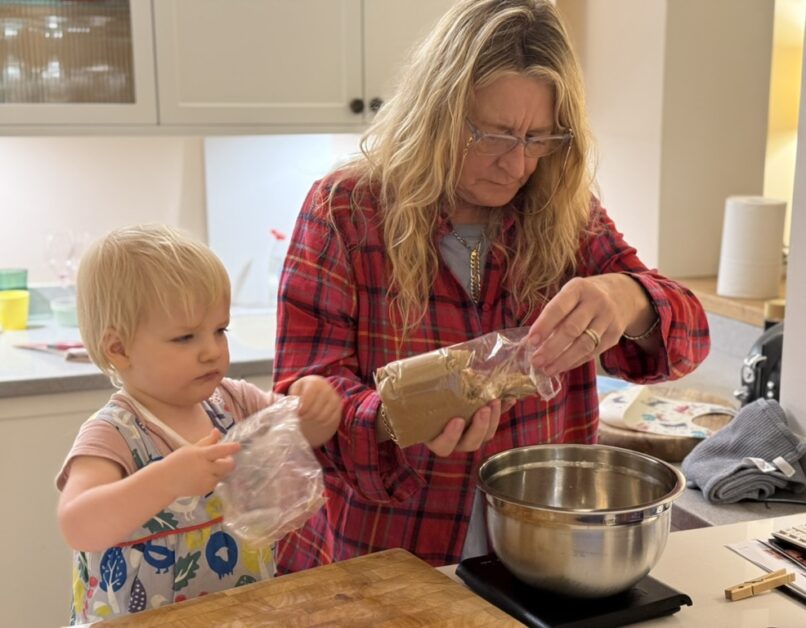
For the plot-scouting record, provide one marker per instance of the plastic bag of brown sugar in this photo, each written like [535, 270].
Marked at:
[422, 393]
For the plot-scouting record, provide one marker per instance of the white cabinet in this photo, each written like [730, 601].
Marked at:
[77, 64]
[258, 62]
[319, 64]
[38, 432]
[216, 67]
[391, 28]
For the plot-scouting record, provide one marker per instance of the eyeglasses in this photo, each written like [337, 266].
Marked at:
[499, 144]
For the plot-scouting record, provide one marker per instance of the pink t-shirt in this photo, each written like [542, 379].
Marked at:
[239, 399]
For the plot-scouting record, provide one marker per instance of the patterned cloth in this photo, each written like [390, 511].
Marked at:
[334, 321]
[180, 553]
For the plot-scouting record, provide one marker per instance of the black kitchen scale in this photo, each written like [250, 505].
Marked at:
[489, 578]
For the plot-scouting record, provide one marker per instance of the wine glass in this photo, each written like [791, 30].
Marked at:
[63, 250]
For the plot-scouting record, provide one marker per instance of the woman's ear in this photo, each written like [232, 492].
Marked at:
[115, 350]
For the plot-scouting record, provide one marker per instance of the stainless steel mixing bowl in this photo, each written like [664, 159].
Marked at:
[581, 520]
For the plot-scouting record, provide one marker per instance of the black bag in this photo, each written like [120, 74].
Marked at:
[760, 376]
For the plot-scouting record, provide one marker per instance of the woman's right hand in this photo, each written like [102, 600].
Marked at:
[483, 424]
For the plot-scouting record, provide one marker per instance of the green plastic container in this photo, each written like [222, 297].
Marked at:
[64, 311]
[13, 279]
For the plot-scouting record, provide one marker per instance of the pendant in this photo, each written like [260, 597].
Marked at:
[475, 275]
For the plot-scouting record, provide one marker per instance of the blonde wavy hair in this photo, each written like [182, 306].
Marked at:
[413, 152]
[130, 271]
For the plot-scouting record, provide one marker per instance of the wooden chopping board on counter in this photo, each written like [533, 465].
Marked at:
[668, 448]
[389, 588]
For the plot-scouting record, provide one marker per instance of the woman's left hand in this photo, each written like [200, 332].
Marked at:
[586, 317]
[458, 436]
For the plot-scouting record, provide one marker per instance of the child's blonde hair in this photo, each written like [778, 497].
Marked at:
[134, 269]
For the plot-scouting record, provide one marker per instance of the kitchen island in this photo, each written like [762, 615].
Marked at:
[395, 588]
[698, 563]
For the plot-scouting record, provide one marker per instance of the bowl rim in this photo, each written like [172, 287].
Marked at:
[653, 505]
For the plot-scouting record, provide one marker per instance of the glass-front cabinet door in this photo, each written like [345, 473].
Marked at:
[67, 62]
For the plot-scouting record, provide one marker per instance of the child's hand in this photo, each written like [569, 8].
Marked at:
[319, 408]
[197, 468]
[98, 485]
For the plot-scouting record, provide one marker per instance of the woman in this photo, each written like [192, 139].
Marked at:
[470, 210]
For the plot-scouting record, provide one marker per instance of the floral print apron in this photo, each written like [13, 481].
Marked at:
[180, 553]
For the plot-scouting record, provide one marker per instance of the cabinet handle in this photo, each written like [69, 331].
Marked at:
[357, 105]
[375, 104]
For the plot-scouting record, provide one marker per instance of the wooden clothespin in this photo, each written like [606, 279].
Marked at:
[759, 585]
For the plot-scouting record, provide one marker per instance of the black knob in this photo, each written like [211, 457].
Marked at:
[357, 105]
[375, 104]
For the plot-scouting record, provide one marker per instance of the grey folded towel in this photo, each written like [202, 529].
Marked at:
[721, 465]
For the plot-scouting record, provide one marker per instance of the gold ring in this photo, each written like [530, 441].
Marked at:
[590, 333]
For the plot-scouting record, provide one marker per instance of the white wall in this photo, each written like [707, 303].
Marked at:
[793, 391]
[716, 98]
[255, 184]
[677, 96]
[787, 54]
[623, 67]
[93, 184]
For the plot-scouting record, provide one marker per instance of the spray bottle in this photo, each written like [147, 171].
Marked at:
[277, 250]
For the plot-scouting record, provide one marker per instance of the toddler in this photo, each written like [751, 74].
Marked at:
[137, 501]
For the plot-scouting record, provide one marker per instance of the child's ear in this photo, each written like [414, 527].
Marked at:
[115, 350]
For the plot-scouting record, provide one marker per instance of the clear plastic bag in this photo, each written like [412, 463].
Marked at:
[277, 483]
[422, 393]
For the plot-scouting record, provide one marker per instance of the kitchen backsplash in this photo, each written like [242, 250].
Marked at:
[255, 187]
[240, 189]
[92, 185]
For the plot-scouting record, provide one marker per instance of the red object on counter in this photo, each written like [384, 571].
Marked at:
[71, 351]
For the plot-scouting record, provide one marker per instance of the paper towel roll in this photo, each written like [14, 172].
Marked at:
[752, 241]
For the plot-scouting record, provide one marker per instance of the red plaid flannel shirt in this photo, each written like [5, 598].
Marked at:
[333, 321]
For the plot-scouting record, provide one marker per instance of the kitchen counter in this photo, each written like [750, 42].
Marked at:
[25, 372]
[697, 563]
[393, 587]
[750, 311]
[692, 510]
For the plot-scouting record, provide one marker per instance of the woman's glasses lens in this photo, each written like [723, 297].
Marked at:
[533, 147]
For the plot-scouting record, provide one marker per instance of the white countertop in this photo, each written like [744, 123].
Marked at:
[697, 563]
[25, 372]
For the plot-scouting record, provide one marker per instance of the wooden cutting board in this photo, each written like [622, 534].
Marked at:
[668, 448]
[389, 588]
